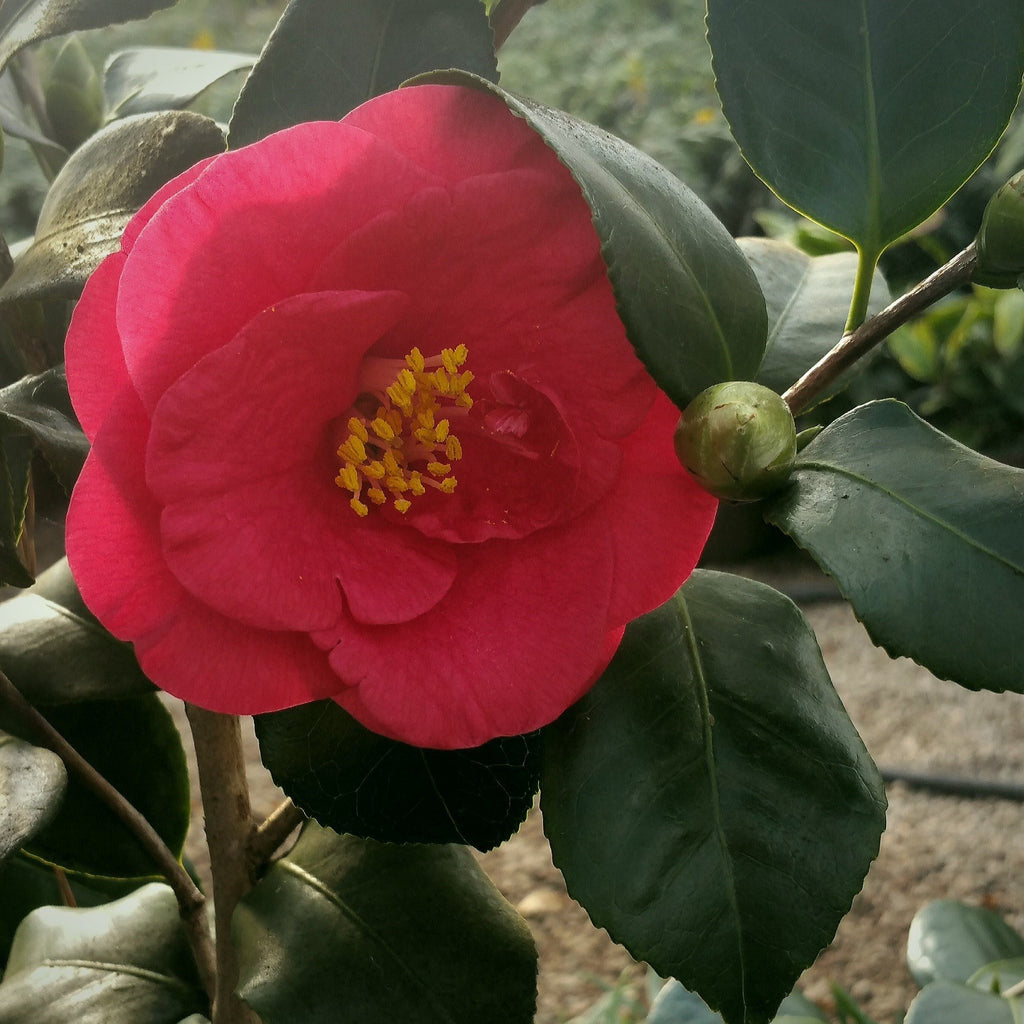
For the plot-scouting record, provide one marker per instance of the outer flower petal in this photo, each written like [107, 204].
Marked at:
[241, 455]
[182, 291]
[452, 678]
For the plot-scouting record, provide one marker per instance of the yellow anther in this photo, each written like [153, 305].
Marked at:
[356, 426]
[463, 401]
[425, 417]
[416, 483]
[403, 505]
[391, 466]
[442, 431]
[383, 429]
[442, 382]
[447, 486]
[407, 381]
[396, 484]
[353, 450]
[400, 397]
[414, 360]
[359, 508]
[374, 470]
[438, 469]
[453, 448]
[348, 478]
[376, 495]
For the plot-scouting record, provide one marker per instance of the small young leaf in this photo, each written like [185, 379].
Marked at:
[945, 1002]
[326, 57]
[38, 406]
[135, 745]
[150, 78]
[808, 298]
[27, 21]
[355, 781]
[416, 934]
[924, 537]
[868, 116]
[709, 802]
[689, 300]
[92, 199]
[55, 652]
[32, 782]
[121, 963]
[950, 941]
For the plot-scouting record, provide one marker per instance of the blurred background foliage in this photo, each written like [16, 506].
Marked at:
[642, 70]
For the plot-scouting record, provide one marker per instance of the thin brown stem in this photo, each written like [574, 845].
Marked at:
[876, 329]
[190, 900]
[229, 824]
[271, 833]
[505, 15]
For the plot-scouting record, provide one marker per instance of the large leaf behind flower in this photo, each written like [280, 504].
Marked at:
[134, 744]
[126, 962]
[924, 537]
[326, 57]
[355, 781]
[866, 115]
[416, 934]
[709, 802]
[27, 21]
[688, 298]
[92, 199]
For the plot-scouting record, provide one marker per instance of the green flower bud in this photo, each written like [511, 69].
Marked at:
[738, 439]
[74, 96]
[1001, 238]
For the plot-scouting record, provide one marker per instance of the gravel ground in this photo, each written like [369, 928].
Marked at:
[935, 846]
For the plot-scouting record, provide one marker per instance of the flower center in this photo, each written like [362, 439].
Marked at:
[407, 444]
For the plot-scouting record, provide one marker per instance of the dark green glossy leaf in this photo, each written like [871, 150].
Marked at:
[92, 199]
[26, 884]
[867, 116]
[150, 78]
[38, 406]
[355, 781]
[326, 57]
[32, 782]
[416, 934]
[27, 21]
[951, 941]
[709, 802]
[126, 962]
[689, 300]
[808, 298]
[924, 537]
[945, 1002]
[55, 652]
[15, 477]
[136, 747]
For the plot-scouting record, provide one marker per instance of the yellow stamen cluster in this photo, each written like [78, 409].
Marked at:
[406, 446]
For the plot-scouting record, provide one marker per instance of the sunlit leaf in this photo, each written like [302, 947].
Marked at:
[924, 537]
[326, 57]
[32, 782]
[99, 188]
[126, 962]
[55, 651]
[709, 802]
[150, 78]
[416, 934]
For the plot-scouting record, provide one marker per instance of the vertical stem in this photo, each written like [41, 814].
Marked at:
[221, 763]
[866, 262]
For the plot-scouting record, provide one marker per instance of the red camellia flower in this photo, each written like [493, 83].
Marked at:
[365, 426]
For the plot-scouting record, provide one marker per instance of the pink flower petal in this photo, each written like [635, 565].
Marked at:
[519, 637]
[242, 457]
[186, 287]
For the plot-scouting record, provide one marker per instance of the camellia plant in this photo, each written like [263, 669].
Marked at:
[396, 415]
